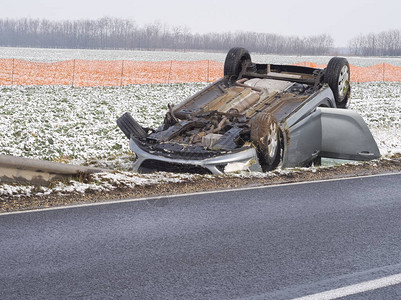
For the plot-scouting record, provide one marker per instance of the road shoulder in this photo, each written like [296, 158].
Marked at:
[200, 184]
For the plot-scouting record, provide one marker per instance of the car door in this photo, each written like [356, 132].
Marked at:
[329, 132]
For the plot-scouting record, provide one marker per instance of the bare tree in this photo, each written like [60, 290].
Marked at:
[114, 33]
[386, 43]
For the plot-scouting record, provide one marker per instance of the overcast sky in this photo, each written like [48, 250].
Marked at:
[342, 19]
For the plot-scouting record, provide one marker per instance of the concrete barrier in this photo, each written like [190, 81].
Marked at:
[34, 171]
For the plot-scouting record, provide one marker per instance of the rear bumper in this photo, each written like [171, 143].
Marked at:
[218, 165]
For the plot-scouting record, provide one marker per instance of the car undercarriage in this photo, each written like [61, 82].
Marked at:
[257, 117]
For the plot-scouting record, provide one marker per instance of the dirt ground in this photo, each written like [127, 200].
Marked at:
[392, 165]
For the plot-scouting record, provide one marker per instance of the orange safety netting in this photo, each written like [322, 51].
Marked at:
[118, 73]
[380, 72]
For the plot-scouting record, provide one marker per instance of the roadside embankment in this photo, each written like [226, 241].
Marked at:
[101, 187]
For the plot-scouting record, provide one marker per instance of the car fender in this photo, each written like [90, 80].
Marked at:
[302, 141]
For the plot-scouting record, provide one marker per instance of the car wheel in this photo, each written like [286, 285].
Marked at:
[338, 78]
[235, 62]
[265, 133]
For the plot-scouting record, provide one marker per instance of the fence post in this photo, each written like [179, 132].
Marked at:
[12, 73]
[73, 73]
[169, 72]
[208, 70]
[122, 73]
[383, 71]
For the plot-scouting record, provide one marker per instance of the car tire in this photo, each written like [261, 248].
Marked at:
[235, 62]
[265, 133]
[130, 127]
[338, 78]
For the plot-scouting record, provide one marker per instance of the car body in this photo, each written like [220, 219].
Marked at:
[257, 117]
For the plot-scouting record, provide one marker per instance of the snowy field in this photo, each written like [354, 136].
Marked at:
[78, 125]
[62, 123]
[52, 55]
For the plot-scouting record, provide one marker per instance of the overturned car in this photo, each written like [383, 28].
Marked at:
[257, 117]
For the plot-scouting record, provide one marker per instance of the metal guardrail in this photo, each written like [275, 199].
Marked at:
[34, 171]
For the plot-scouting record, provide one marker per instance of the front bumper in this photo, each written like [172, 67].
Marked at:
[246, 159]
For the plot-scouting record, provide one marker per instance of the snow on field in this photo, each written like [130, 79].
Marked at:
[379, 104]
[63, 123]
[52, 55]
[78, 125]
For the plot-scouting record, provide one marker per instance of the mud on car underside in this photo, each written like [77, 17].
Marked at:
[257, 117]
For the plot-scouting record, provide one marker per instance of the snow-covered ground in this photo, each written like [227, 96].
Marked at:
[78, 125]
[52, 55]
[379, 103]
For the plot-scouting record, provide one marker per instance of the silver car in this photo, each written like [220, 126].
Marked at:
[257, 117]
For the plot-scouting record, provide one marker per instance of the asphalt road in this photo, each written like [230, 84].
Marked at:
[277, 242]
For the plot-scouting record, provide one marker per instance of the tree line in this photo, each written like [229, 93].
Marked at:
[386, 43]
[114, 33]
